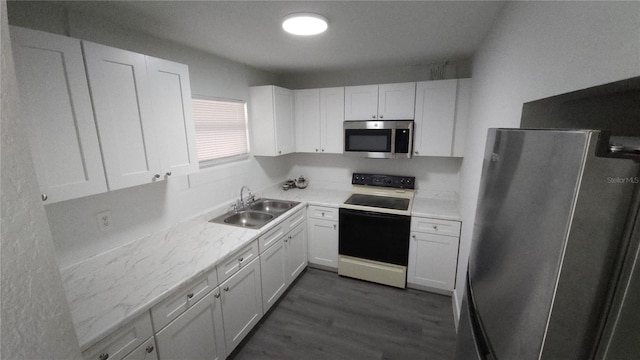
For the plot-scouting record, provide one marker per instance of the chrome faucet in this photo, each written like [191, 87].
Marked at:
[242, 204]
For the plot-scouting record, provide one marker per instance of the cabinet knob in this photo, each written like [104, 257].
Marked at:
[322, 214]
[217, 295]
[335, 227]
[189, 296]
[103, 356]
[381, 116]
[316, 150]
[168, 173]
[416, 152]
[435, 227]
[280, 152]
[156, 176]
[373, 116]
[149, 349]
[322, 150]
[413, 236]
[226, 288]
[241, 259]
[44, 197]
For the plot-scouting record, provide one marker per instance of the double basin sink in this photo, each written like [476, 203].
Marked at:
[258, 214]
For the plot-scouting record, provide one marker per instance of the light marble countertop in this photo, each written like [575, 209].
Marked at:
[108, 290]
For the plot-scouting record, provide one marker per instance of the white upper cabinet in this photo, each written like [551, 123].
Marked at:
[319, 114]
[442, 109]
[271, 120]
[396, 101]
[307, 119]
[361, 102]
[380, 102]
[171, 100]
[59, 116]
[122, 102]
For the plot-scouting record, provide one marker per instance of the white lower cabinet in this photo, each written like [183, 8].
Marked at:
[295, 249]
[241, 303]
[196, 334]
[274, 275]
[433, 254]
[323, 237]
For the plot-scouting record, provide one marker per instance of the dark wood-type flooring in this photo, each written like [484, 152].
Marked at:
[325, 316]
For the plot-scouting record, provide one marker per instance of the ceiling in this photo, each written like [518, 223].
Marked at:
[360, 34]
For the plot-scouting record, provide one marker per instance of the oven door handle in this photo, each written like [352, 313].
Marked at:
[368, 213]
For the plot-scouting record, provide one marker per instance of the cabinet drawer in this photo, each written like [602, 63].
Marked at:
[237, 261]
[321, 212]
[122, 341]
[435, 226]
[296, 219]
[146, 351]
[182, 299]
[271, 236]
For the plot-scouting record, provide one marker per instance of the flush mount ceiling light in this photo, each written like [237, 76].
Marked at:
[304, 24]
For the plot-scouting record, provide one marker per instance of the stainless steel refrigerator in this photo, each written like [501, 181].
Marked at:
[553, 270]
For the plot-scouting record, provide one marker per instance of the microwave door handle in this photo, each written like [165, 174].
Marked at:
[393, 141]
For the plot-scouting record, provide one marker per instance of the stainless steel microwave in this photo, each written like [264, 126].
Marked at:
[379, 139]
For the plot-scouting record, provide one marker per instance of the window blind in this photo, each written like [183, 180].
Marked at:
[221, 128]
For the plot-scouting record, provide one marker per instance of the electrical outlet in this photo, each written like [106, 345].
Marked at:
[104, 220]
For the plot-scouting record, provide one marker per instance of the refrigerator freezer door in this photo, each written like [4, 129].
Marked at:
[527, 195]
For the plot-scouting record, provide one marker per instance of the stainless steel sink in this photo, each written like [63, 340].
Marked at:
[259, 213]
[250, 219]
[273, 206]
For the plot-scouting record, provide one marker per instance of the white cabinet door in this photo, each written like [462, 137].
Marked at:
[272, 268]
[396, 101]
[171, 91]
[323, 242]
[285, 128]
[196, 334]
[295, 244]
[59, 116]
[331, 120]
[307, 118]
[271, 120]
[433, 260]
[122, 103]
[241, 303]
[463, 107]
[146, 351]
[361, 102]
[435, 117]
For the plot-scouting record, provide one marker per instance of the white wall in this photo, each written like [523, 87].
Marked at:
[145, 209]
[35, 321]
[536, 50]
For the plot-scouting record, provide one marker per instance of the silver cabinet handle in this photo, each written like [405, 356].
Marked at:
[189, 296]
[168, 173]
[44, 197]
[103, 356]
[149, 349]
[226, 288]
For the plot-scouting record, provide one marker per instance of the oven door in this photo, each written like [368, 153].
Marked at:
[374, 236]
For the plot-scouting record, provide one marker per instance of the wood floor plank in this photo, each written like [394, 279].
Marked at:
[325, 316]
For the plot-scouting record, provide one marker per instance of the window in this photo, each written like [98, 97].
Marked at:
[221, 129]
